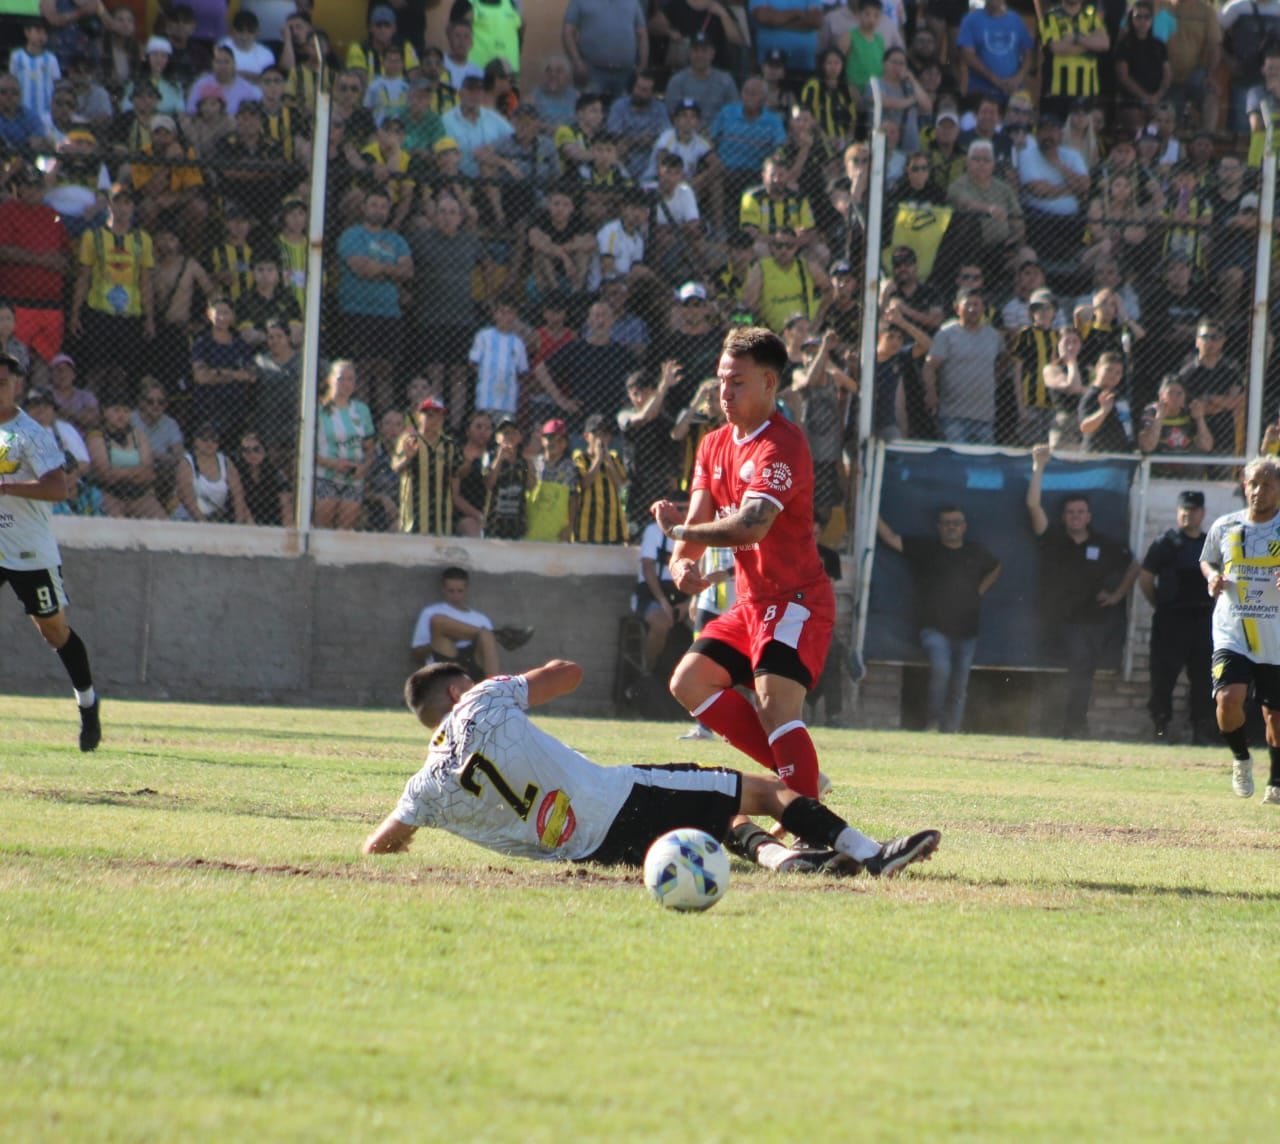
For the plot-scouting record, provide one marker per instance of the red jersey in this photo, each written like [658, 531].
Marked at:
[38, 229]
[773, 463]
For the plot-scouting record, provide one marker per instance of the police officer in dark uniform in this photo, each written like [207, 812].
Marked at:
[1181, 635]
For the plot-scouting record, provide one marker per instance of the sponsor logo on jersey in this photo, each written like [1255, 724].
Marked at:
[777, 476]
[556, 821]
[747, 471]
[717, 473]
[7, 466]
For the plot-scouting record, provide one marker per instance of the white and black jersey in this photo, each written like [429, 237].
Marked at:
[27, 452]
[495, 779]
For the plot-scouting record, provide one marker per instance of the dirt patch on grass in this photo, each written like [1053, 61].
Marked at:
[1207, 838]
[141, 796]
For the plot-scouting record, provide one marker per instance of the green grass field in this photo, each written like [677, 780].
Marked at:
[192, 948]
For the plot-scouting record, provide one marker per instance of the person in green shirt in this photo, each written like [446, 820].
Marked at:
[422, 126]
[866, 46]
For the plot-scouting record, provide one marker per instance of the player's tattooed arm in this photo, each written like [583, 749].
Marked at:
[746, 525]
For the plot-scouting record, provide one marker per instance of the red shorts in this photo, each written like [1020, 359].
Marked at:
[41, 330]
[798, 630]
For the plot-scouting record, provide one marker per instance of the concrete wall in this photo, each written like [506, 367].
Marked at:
[235, 614]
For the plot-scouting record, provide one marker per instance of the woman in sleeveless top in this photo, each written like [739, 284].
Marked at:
[344, 450]
[209, 487]
[469, 492]
[122, 465]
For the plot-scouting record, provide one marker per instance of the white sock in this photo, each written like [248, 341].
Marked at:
[856, 844]
[771, 855]
[86, 698]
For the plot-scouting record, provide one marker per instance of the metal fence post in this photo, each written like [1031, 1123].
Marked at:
[1261, 287]
[311, 318]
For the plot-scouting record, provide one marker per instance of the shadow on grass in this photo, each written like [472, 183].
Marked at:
[1128, 889]
[1122, 889]
[154, 800]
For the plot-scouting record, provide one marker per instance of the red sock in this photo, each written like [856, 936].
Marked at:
[795, 759]
[730, 714]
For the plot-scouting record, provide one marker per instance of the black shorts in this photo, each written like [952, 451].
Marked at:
[1230, 668]
[675, 795]
[110, 342]
[39, 589]
[444, 345]
[365, 337]
[776, 659]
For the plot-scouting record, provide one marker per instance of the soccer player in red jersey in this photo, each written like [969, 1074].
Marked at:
[753, 491]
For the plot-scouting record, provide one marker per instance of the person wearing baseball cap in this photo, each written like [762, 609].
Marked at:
[1034, 347]
[170, 97]
[425, 459]
[179, 200]
[472, 124]
[844, 311]
[1182, 626]
[921, 303]
[601, 478]
[701, 82]
[554, 501]
[369, 55]
[112, 307]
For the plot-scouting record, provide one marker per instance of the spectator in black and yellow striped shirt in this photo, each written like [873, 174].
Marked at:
[1034, 347]
[1074, 35]
[601, 480]
[771, 207]
[831, 98]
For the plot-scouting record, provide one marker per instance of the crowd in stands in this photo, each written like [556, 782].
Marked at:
[528, 276]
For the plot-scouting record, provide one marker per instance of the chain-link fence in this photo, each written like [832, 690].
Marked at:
[523, 288]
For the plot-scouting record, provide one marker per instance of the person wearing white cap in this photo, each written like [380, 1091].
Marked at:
[947, 160]
[156, 56]
[693, 340]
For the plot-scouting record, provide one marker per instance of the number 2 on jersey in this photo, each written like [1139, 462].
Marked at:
[469, 782]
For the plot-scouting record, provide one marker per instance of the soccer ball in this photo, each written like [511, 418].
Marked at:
[686, 869]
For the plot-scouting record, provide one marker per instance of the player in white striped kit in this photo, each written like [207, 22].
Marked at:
[494, 778]
[1241, 562]
[32, 478]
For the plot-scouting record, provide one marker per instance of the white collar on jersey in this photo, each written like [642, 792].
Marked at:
[754, 434]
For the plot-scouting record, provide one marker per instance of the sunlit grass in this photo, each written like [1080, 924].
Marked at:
[192, 947]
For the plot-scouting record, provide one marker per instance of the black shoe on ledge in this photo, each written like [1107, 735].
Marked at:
[512, 638]
[90, 727]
